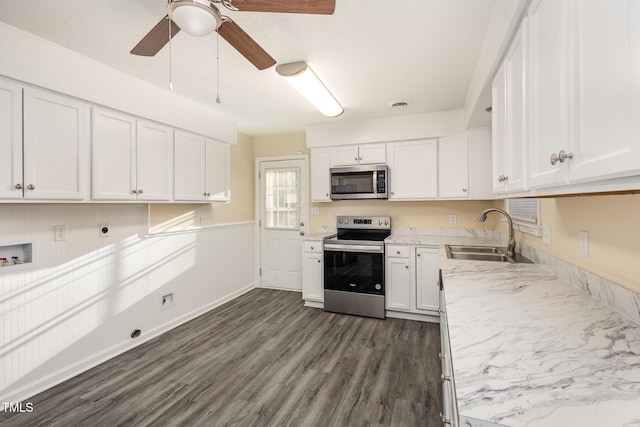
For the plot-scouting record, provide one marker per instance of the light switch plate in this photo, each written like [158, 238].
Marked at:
[584, 244]
[546, 235]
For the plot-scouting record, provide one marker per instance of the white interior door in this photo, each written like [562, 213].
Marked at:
[283, 221]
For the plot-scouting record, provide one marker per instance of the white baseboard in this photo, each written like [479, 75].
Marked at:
[413, 316]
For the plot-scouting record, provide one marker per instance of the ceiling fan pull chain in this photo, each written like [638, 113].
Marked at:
[217, 67]
[170, 74]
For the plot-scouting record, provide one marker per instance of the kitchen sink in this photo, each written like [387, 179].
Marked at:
[483, 253]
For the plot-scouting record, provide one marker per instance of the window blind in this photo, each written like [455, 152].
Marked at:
[524, 210]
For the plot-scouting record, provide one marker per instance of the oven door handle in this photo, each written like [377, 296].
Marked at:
[370, 249]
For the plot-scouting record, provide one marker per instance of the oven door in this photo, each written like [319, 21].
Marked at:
[354, 268]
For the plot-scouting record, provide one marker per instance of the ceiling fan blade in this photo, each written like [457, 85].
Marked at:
[243, 43]
[318, 7]
[156, 38]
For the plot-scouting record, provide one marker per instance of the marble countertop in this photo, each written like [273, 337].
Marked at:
[531, 350]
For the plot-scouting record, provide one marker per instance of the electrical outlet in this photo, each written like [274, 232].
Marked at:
[59, 233]
[103, 229]
[166, 301]
[453, 218]
[546, 235]
[584, 244]
[203, 220]
[315, 211]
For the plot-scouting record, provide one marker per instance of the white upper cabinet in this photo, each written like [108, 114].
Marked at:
[154, 161]
[508, 118]
[217, 173]
[413, 169]
[584, 68]
[10, 140]
[320, 176]
[548, 106]
[55, 146]
[464, 165]
[606, 108]
[201, 168]
[453, 166]
[131, 159]
[366, 154]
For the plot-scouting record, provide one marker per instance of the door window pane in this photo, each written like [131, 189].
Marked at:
[282, 198]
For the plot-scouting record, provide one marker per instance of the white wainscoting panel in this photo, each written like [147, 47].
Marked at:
[81, 298]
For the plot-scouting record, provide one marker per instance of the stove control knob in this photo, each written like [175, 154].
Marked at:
[378, 286]
[386, 222]
[379, 222]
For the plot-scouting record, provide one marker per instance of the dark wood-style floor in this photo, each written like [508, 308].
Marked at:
[260, 360]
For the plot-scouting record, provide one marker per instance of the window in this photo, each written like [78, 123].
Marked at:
[525, 215]
[282, 207]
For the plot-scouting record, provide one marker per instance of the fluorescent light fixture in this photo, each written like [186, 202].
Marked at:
[195, 17]
[301, 77]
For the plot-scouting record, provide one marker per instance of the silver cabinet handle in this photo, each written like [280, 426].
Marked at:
[140, 191]
[302, 233]
[311, 247]
[554, 159]
[355, 158]
[134, 191]
[464, 190]
[406, 266]
[440, 355]
[301, 224]
[327, 194]
[319, 261]
[444, 377]
[19, 186]
[418, 254]
[31, 187]
[562, 156]
[398, 252]
[359, 158]
[445, 420]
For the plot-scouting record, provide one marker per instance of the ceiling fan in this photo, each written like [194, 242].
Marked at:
[201, 17]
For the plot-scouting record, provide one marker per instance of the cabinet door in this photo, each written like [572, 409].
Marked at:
[154, 161]
[398, 292]
[499, 129]
[217, 167]
[372, 154]
[427, 288]
[413, 166]
[312, 284]
[10, 140]
[113, 146]
[55, 144]
[607, 66]
[320, 175]
[548, 101]
[344, 156]
[189, 157]
[515, 123]
[453, 166]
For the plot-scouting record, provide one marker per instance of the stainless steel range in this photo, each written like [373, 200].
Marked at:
[354, 266]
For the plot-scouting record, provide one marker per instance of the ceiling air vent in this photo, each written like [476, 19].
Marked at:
[398, 104]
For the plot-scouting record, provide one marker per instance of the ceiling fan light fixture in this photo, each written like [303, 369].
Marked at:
[195, 17]
[305, 81]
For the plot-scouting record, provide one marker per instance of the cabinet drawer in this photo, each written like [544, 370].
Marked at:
[394, 251]
[314, 247]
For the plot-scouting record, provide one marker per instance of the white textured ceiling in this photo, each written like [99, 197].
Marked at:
[368, 53]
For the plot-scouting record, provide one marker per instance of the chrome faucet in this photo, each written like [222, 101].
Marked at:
[511, 248]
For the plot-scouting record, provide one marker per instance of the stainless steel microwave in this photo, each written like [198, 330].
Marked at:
[360, 182]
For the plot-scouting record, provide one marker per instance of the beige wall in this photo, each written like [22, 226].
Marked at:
[180, 216]
[280, 145]
[613, 224]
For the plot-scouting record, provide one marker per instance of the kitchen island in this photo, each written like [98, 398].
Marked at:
[530, 350]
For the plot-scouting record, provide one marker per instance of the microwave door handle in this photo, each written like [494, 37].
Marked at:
[375, 181]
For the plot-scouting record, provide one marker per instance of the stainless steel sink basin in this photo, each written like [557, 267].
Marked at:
[483, 253]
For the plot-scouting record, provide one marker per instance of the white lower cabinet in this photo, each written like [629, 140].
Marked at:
[398, 283]
[427, 287]
[411, 279]
[449, 402]
[312, 272]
